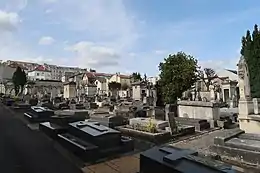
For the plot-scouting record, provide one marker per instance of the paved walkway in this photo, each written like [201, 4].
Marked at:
[26, 151]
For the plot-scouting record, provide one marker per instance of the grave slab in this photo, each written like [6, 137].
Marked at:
[91, 140]
[169, 159]
[38, 114]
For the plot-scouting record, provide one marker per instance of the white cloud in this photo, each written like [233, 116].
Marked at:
[160, 52]
[92, 55]
[9, 21]
[46, 40]
[13, 5]
[106, 20]
[50, 1]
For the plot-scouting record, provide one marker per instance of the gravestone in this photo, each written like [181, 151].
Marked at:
[91, 140]
[172, 123]
[109, 120]
[169, 159]
[256, 102]
[39, 114]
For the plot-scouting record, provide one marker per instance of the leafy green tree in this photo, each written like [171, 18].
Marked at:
[19, 80]
[178, 73]
[250, 49]
[136, 77]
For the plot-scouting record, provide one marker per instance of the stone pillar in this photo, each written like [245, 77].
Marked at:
[256, 103]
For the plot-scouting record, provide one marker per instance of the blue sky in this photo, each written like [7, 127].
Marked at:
[124, 35]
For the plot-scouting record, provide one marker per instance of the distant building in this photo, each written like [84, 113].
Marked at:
[57, 72]
[39, 73]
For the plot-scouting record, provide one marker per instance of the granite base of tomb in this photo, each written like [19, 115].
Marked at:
[52, 130]
[238, 145]
[199, 124]
[170, 159]
[92, 141]
[21, 107]
[38, 114]
[8, 101]
[109, 120]
[157, 138]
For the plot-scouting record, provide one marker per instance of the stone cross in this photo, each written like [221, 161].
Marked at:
[244, 84]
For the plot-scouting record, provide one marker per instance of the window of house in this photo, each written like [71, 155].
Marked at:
[37, 74]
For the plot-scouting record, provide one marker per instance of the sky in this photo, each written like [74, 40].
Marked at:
[125, 35]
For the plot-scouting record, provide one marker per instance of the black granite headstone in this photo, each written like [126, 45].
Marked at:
[90, 140]
[170, 159]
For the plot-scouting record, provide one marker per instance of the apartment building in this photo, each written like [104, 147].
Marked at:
[57, 72]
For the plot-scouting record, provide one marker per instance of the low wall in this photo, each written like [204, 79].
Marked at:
[199, 110]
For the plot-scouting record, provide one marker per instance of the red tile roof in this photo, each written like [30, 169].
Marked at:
[41, 68]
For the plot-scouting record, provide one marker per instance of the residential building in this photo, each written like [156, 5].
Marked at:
[123, 79]
[57, 72]
[102, 86]
[39, 73]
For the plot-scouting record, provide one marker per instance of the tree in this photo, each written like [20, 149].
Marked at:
[250, 49]
[136, 77]
[124, 86]
[19, 80]
[178, 73]
[114, 87]
[210, 75]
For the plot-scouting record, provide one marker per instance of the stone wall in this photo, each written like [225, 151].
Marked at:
[198, 110]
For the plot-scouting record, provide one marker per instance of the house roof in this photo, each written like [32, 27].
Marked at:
[41, 68]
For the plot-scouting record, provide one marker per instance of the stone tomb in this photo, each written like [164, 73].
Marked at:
[199, 124]
[239, 146]
[91, 141]
[108, 119]
[59, 123]
[144, 122]
[200, 110]
[8, 101]
[170, 159]
[39, 114]
[20, 106]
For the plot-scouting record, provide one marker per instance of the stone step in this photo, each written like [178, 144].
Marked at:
[250, 136]
[246, 144]
[199, 124]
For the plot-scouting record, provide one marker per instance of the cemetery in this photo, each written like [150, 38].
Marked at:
[97, 129]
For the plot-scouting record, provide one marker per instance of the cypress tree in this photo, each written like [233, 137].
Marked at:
[251, 51]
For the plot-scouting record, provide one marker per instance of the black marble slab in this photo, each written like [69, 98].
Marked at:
[91, 141]
[100, 135]
[170, 160]
[38, 114]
